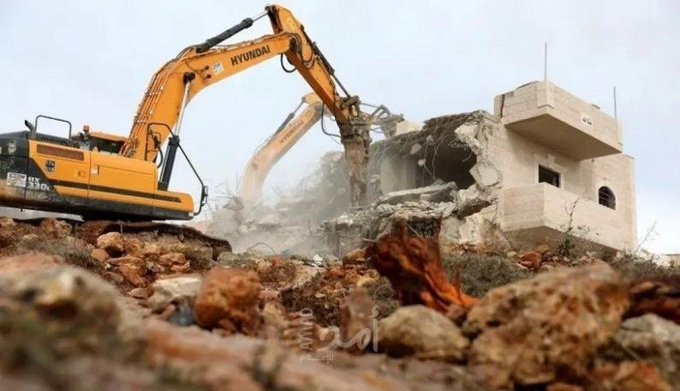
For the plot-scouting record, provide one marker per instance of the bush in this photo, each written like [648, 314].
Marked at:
[481, 273]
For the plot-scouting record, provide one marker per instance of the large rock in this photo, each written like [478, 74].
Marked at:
[650, 338]
[555, 322]
[237, 362]
[174, 290]
[423, 332]
[113, 243]
[71, 297]
[21, 264]
[228, 299]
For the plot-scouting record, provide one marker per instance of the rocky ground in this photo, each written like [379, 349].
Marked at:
[141, 311]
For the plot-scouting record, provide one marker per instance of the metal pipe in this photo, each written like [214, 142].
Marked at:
[230, 32]
[260, 15]
[181, 110]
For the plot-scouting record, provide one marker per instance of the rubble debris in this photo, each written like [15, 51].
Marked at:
[139, 293]
[228, 299]
[423, 332]
[170, 259]
[531, 260]
[28, 263]
[413, 265]
[100, 255]
[180, 290]
[538, 330]
[629, 376]
[132, 269]
[446, 192]
[649, 338]
[659, 296]
[113, 243]
[55, 228]
[322, 291]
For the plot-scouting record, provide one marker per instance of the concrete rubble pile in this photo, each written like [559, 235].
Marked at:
[462, 192]
[291, 225]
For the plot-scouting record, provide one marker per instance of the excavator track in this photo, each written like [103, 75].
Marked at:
[90, 230]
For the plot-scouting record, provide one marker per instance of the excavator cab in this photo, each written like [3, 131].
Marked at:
[98, 141]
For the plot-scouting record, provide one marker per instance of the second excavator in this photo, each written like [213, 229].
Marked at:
[292, 129]
[100, 176]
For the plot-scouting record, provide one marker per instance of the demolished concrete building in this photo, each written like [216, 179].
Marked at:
[544, 168]
[545, 165]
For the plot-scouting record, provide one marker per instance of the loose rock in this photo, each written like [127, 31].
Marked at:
[55, 228]
[100, 255]
[228, 299]
[171, 259]
[555, 322]
[174, 290]
[423, 332]
[113, 243]
[650, 338]
[133, 274]
[629, 376]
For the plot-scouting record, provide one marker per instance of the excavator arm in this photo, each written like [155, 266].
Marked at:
[159, 116]
[291, 131]
[275, 147]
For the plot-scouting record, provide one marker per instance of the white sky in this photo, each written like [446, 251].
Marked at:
[90, 62]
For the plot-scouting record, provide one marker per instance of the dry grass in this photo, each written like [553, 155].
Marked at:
[480, 273]
[383, 296]
[635, 269]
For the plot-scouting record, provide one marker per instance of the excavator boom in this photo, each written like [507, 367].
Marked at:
[199, 66]
[159, 116]
[275, 147]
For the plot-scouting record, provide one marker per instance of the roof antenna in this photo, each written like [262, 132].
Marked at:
[616, 114]
[545, 61]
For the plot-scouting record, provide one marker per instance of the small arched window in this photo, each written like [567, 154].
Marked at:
[606, 197]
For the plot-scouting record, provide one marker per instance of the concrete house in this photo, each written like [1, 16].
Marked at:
[545, 162]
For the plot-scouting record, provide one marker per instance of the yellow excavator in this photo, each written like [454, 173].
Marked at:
[291, 131]
[102, 176]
